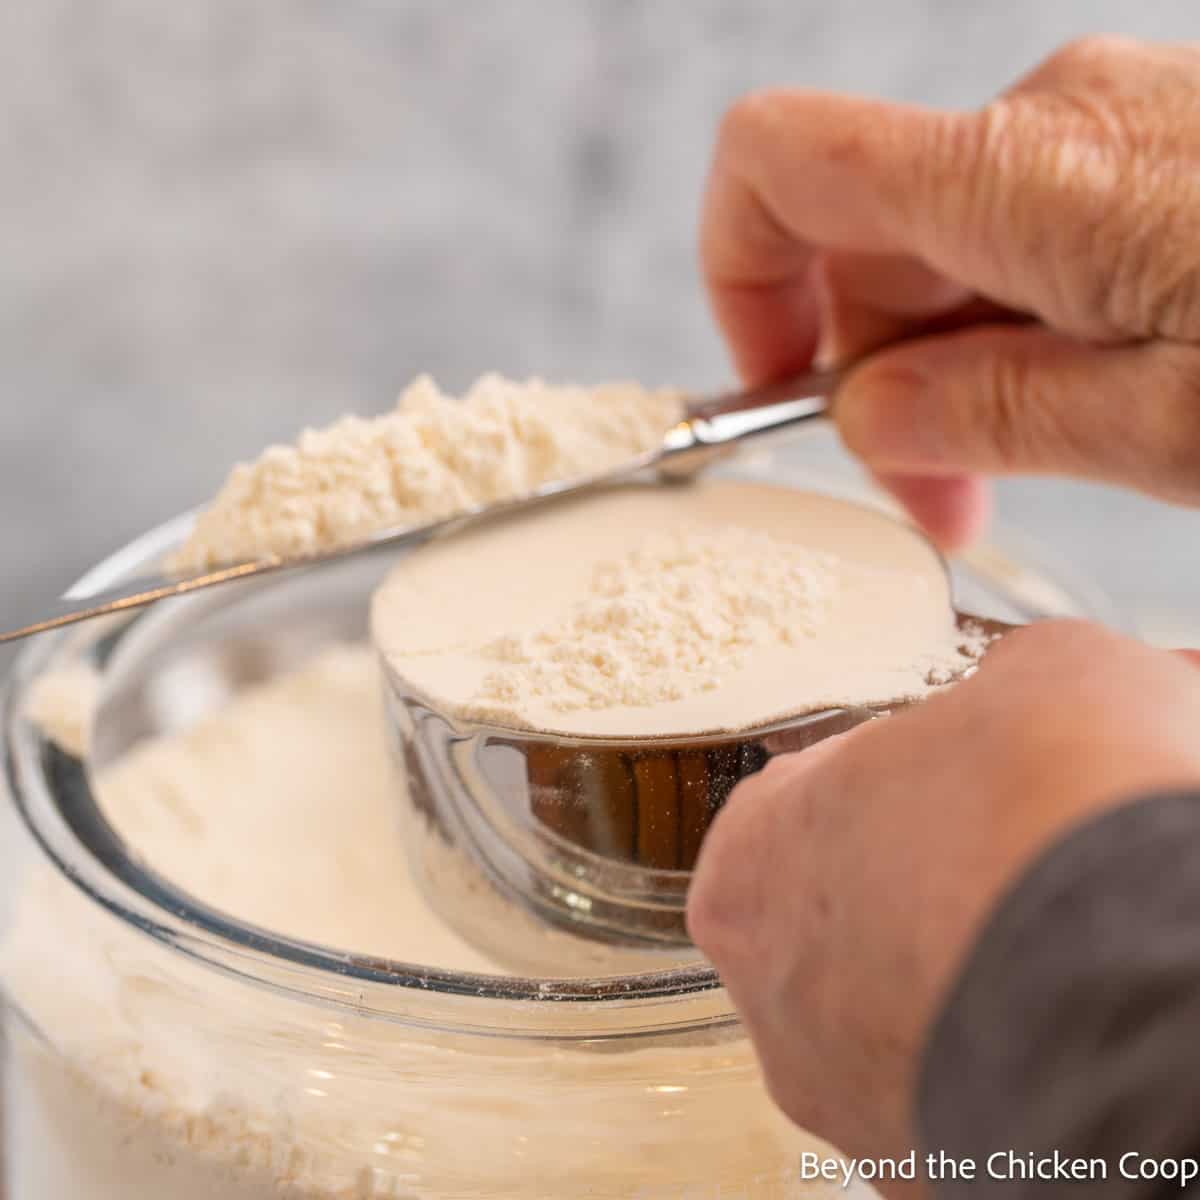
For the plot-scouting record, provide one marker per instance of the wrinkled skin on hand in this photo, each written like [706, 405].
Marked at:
[1058, 227]
[1025, 280]
[840, 889]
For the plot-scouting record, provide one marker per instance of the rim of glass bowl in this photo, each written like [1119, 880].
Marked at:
[51, 792]
[55, 802]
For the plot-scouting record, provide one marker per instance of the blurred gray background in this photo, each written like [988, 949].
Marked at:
[224, 220]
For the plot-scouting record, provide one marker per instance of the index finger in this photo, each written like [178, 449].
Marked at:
[796, 174]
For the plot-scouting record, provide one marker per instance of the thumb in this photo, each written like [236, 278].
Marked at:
[1024, 400]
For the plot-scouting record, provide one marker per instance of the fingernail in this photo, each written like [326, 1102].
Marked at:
[825, 356]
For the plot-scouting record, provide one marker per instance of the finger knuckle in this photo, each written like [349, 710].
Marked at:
[1007, 648]
[1090, 137]
[954, 146]
[1092, 52]
[1024, 415]
[1121, 155]
[1047, 649]
[1063, 636]
[1003, 419]
[972, 146]
[1154, 286]
[1063, 155]
[747, 118]
[1002, 150]
[1174, 310]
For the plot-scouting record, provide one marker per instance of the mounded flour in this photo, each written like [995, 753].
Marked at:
[651, 611]
[130, 1076]
[432, 457]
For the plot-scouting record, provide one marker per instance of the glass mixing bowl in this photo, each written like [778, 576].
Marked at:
[158, 1046]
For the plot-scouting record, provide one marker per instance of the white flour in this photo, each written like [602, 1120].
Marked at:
[161, 1079]
[62, 703]
[673, 611]
[671, 618]
[431, 457]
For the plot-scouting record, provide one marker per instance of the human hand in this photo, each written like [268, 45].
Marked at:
[839, 890]
[1073, 200]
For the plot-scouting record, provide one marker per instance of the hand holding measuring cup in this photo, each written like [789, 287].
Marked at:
[841, 888]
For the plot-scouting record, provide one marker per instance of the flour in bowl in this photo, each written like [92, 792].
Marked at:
[133, 1071]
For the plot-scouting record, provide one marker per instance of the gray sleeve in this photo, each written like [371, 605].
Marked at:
[1075, 1025]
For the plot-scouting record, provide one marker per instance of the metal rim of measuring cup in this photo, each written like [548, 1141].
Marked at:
[595, 835]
